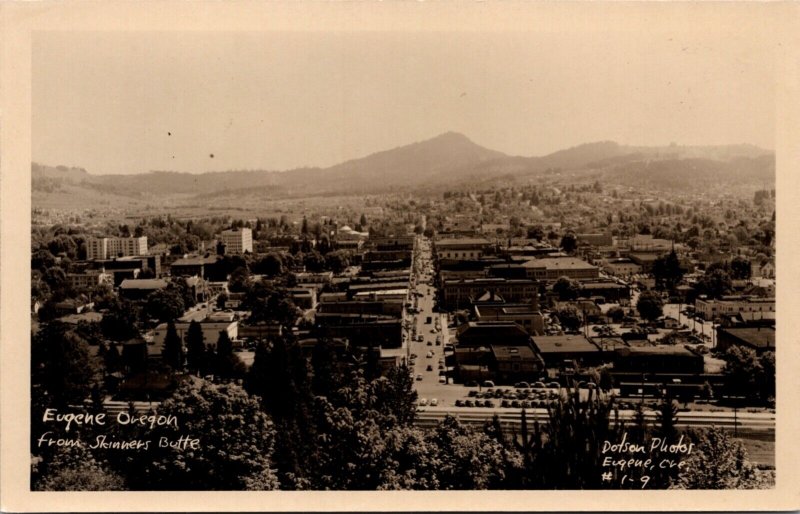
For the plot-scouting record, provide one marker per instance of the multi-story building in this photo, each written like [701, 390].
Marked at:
[551, 269]
[461, 249]
[210, 324]
[461, 293]
[237, 241]
[109, 247]
[89, 279]
[748, 308]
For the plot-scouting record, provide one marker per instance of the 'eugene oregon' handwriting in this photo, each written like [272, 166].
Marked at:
[123, 418]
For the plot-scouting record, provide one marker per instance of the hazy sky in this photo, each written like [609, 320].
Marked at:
[135, 102]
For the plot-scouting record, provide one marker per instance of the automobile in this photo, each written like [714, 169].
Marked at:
[488, 383]
[538, 385]
[522, 385]
[430, 343]
[412, 361]
[442, 379]
[515, 404]
[429, 368]
[423, 401]
[488, 403]
[429, 354]
[553, 385]
[438, 342]
[433, 331]
[505, 403]
[413, 355]
[469, 403]
[441, 366]
[419, 339]
[459, 403]
[434, 402]
[419, 376]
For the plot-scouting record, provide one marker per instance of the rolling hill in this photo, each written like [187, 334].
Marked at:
[441, 161]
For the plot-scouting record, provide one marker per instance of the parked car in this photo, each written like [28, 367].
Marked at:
[553, 385]
[423, 401]
[522, 385]
[429, 368]
[471, 383]
[442, 379]
[488, 383]
[419, 376]
[538, 385]
[434, 402]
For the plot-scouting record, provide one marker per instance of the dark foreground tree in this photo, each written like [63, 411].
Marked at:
[75, 469]
[650, 306]
[172, 351]
[720, 462]
[235, 442]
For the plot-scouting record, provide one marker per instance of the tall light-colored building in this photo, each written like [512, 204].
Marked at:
[110, 247]
[237, 240]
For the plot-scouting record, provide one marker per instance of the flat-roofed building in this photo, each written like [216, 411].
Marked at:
[191, 266]
[488, 333]
[554, 350]
[550, 269]
[747, 307]
[108, 247]
[662, 359]
[461, 249]
[89, 279]
[760, 339]
[461, 293]
[525, 315]
[138, 289]
[237, 241]
[211, 326]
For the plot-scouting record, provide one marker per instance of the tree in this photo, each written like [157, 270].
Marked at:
[536, 232]
[566, 452]
[718, 462]
[650, 306]
[172, 352]
[616, 314]
[119, 323]
[569, 243]
[714, 284]
[240, 277]
[235, 448]
[195, 348]
[63, 370]
[740, 268]
[227, 364]
[668, 272]
[569, 318]
[75, 469]
[566, 288]
[467, 459]
[748, 374]
[165, 304]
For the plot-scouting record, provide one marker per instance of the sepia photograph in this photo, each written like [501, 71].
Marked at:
[398, 260]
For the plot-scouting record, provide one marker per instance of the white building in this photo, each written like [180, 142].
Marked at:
[211, 325]
[750, 309]
[110, 247]
[237, 241]
[89, 279]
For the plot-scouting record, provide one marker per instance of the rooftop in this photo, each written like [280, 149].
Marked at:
[143, 283]
[757, 337]
[565, 343]
[559, 263]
